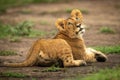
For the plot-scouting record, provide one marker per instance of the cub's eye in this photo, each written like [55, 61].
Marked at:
[77, 18]
[69, 23]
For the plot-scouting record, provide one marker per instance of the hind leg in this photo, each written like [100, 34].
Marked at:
[94, 55]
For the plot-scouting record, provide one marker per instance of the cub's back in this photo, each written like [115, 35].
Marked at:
[53, 46]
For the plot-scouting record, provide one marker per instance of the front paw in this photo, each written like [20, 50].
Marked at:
[101, 57]
[83, 63]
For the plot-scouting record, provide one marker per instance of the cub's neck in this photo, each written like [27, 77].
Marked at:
[66, 37]
[78, 42]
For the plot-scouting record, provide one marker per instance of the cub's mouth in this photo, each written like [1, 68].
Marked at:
[81, 30]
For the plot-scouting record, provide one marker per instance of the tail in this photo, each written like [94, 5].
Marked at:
[30, 61]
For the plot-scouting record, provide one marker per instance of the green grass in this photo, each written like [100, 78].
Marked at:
[7, 53]
[23, 29]
[108, 49]
[84, 11]
[4, 30]
[106, 74]
[107, 30]
[13, 74]
[33, 79]
[68, 10]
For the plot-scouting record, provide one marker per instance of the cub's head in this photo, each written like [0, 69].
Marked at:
[71, 27]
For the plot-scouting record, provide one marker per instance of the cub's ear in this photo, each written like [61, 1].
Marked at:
[76, 13]
[60, 24]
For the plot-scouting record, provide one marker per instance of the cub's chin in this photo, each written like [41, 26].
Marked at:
[80, 34]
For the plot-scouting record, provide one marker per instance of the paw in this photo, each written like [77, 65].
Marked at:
[83, 63]
[101, 57]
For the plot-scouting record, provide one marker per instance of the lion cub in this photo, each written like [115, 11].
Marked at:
[71, 30]
[67, 46]
[45, 52]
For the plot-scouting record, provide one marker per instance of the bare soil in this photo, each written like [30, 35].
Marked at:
[100, 13]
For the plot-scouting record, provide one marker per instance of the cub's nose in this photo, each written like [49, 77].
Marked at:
[81, 29]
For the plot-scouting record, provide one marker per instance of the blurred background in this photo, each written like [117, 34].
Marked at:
[24, 21]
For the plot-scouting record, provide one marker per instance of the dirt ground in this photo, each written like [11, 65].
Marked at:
[100, 13]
